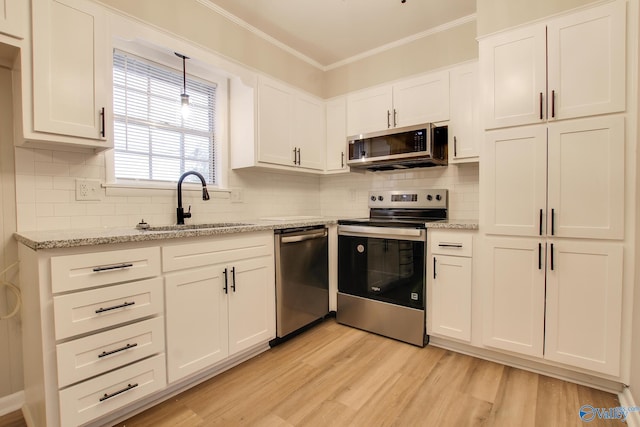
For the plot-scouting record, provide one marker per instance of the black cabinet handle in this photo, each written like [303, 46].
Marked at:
[541, 222]
[553, 221]
[295, 156]
[395, 118]
[449, 245]
[434, 267]
[539, 256]
[541, 116]
[553, 103]
[109, 396]
[299, 158]
[226, 288]
[102, 121]
[112, 267]
[126, 347]
[342, 159]
[552, 257]
[388, 119]
[115, 307]
[455, 147]
[233, 279]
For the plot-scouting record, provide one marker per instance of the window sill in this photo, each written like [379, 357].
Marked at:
[131, 189]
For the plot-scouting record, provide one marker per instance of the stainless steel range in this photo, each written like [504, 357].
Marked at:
[382, 263]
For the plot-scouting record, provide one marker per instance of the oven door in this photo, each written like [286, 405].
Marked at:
[382, 263]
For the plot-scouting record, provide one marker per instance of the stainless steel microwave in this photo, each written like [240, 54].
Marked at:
[399, 148]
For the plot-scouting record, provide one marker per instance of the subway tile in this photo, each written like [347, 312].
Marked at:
[51, 169]
[53, 223]
[26, 217]
[24, 161]
[25, 189]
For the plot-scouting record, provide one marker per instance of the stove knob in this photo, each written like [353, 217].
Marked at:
[380, 198]
[438, 197]
[373, 198]
[429, 197]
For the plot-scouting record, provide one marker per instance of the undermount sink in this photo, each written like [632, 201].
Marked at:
[177, 227]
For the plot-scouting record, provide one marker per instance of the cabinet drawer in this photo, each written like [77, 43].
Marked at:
[75, 272]
[96, 354]
[217, 251]
[88, 311]
[448, 243]
[101, 395]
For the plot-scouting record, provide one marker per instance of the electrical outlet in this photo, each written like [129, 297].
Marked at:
[87, 189]
[236, 196]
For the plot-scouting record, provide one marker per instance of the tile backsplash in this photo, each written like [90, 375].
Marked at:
[46, 199]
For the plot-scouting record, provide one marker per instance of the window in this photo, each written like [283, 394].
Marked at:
[152, 140]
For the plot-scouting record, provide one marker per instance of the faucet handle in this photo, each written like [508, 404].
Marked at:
[188, 213]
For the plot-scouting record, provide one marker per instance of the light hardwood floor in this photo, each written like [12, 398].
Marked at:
[333, 375]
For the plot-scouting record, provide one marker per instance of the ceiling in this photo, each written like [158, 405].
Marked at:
[330, 32]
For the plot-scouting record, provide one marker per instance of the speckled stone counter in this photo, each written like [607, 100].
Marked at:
[38, 240]
[454, 224]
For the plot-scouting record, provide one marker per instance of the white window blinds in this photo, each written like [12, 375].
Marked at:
[152, 140]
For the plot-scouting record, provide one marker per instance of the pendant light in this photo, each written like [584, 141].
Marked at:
[184, 98]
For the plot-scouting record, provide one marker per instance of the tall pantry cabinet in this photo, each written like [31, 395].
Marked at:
[553, 184]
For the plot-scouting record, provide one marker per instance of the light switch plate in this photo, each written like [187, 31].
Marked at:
[87, 189]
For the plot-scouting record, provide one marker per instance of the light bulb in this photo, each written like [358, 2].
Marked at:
[184, 98]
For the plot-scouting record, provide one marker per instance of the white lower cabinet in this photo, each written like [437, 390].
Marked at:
[449, 293]
[223, 304]
[556, 299]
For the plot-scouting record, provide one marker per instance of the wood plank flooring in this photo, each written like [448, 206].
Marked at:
[333, 375]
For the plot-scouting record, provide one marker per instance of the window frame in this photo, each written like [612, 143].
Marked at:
[165, 57]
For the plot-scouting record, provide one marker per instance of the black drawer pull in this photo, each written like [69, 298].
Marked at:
[115, 307]
[449, 245]
[112, 267]
[126, 347]
[114, 394]
[233, 279]
[226, 287]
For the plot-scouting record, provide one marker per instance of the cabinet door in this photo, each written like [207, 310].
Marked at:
[420, 100]
[586, 178]
[514, 295]
[513, 69]
[450, 301]
[369, 110]
[252, 309]
[69, 68]
[464, 124]
[13, 17]
[275, 115]
[586, 62]
[336, 135]
[197, 319]
[515, 172]
[584, 305]
[309, 132]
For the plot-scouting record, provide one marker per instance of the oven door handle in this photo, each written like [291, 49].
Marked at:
[382, 232]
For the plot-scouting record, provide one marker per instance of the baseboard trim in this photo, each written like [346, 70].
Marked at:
[11, 403]
[626, 400]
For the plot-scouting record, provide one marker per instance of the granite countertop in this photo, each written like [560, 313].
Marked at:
[38, 240]
[54, 239]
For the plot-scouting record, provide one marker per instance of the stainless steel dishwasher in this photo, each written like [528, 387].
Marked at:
[302, 277]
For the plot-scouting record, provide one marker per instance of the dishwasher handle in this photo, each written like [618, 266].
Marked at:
[302, 237]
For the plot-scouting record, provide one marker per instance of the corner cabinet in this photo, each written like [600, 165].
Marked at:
[70, 93]
[409, 102]
[568, 67]
[291, 129]
[220, 297]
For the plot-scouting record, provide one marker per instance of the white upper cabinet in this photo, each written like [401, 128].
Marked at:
[586, 62]
[464, 124]
[569, 184]
[410, 102]
[336, 113]
[582, 54]
[291, 130]
[14, 15]
[70, 69]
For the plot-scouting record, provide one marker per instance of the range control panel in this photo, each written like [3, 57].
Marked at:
[408, 198]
